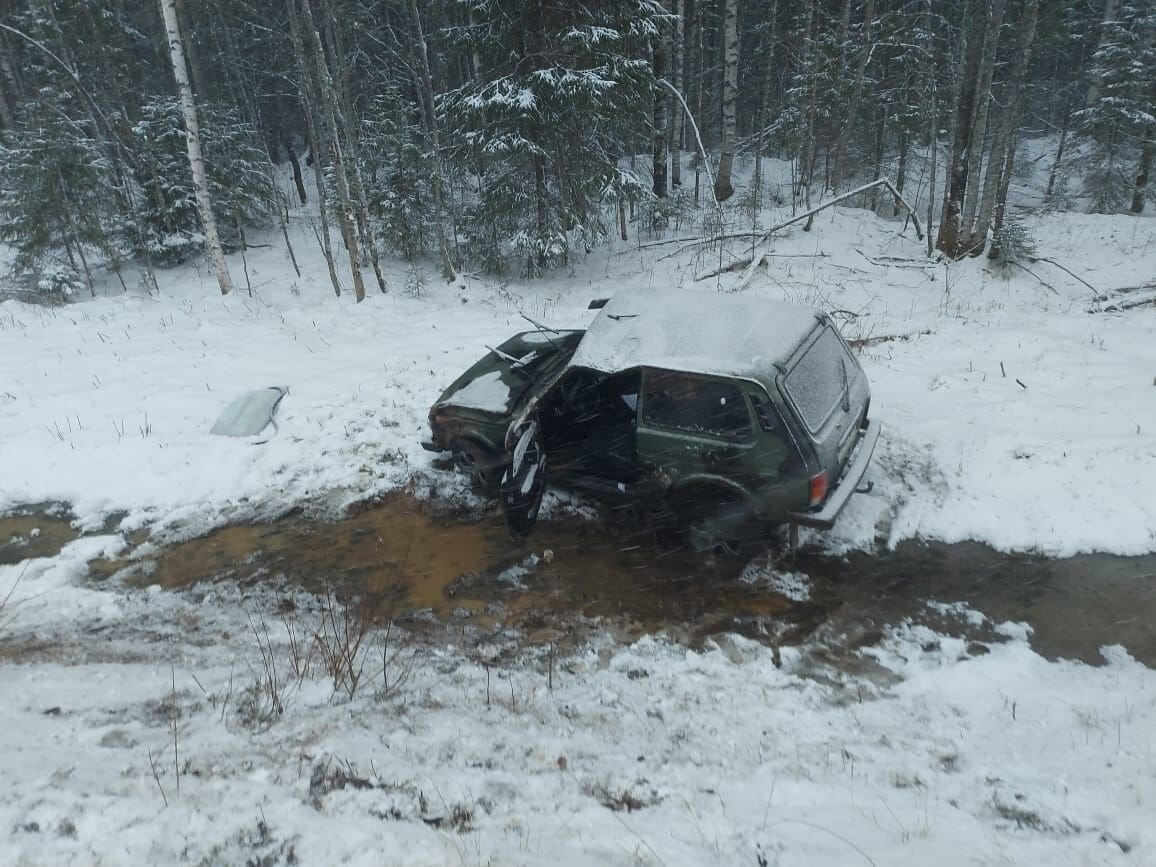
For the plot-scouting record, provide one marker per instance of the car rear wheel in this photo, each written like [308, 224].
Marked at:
[713, 521]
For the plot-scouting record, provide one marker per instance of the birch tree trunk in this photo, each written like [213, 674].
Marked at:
[661, 98]
[677, 75]
[340, 104]
[1096, 81]
[340, 54]
[1001, 195]
[192, 56]
[1002, 146]
[193, 143]
[475, 55]
[983, 97]
[431, 124]
[328, 99]
[723, 189]
[933, 123]
[316, 145]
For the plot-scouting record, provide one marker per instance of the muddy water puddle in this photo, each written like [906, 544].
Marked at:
[571, 575]
[39, 530]
[1074, 605]
[414, 563]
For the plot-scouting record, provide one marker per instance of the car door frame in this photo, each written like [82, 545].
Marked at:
[694, 441]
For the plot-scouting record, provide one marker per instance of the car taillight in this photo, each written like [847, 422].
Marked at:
[818, 488]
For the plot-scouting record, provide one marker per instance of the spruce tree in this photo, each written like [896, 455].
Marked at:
[237, 175]
[399, 172]
[56, 208]
[1122, 115]
[543, 125]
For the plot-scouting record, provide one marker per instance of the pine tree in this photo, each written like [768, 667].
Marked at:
[1120, 119]
[56, 209]
[400, 176]
[542, 126]
[235, 166]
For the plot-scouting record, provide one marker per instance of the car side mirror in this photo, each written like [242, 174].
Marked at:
[597, 303]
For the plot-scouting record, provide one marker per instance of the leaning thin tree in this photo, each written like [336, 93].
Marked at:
[193, 140]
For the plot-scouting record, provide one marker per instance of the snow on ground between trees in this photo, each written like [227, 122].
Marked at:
[1011, 414]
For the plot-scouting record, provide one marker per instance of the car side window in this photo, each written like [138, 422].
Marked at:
[767, 414]
[695, 404]
[771, 421]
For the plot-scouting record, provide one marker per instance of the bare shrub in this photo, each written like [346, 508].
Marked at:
[302, 648]
[5, 614]
[397, 661]
[264, 701]
[341, 643]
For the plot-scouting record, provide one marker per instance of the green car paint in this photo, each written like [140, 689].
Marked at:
[515, 368]
[762, 405]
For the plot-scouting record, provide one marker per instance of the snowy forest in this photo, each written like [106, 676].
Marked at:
[509, 136]
[423, 425]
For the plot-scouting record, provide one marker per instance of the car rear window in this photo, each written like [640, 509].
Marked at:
[695, 404]
[816, 384]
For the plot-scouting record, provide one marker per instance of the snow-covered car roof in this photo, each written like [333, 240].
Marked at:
[700, 332]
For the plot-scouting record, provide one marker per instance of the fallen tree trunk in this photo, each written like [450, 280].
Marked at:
[754, 260]
[1125, 298]
[751, 263]
[881, 182]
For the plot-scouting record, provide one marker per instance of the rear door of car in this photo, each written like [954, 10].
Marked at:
[691, 425]
[828, 392]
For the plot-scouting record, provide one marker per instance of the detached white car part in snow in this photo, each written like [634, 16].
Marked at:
[250, 413]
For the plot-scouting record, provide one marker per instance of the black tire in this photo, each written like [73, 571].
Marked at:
[480, 464]
[698, 514]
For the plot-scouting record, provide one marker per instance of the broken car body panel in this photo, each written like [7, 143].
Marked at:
[480, 403]
[250, 413]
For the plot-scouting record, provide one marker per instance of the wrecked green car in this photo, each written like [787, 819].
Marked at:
[727, 413]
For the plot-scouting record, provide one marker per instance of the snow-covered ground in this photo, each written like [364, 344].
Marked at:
[645, 754]
[1011, 414]
[142, 728]
[1015, 412]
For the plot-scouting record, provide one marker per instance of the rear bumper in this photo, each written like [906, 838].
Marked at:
[824, 517]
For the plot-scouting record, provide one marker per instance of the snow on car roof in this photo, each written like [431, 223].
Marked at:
[703, 332]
